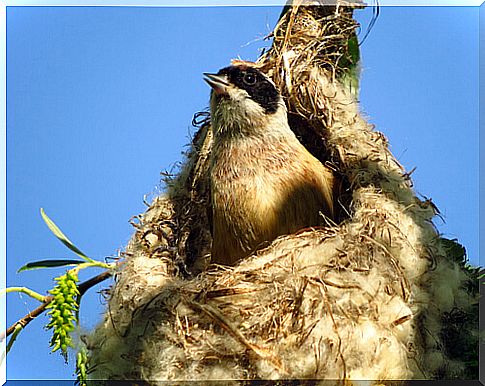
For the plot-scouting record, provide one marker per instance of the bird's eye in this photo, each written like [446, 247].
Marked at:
[249, 79]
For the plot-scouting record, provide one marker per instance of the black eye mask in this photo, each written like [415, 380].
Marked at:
[259, 88]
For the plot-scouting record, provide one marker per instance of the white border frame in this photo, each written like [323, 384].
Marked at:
[149, 3]
[230, 3]
[3, 184]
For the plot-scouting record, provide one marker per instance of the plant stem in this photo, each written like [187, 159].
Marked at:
[93, 263]
[18, 328]
[25, 290]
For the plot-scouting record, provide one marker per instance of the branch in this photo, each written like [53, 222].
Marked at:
[83, 287]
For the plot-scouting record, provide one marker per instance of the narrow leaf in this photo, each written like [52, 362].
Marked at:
[61, 236]
[49, 264]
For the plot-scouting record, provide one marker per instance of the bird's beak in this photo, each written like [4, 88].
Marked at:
[218, 82]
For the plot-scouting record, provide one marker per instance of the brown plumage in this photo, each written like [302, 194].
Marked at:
[264, 183]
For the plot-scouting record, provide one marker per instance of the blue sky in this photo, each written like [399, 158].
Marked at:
[100, 100]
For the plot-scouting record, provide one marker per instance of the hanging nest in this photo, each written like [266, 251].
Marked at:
[378, 296]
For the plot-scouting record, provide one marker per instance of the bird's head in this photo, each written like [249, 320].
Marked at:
[243, 99]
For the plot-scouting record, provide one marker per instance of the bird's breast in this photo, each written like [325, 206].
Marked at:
[261, 189]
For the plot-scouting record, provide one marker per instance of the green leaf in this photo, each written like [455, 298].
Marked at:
[49, 264]
[62, 237]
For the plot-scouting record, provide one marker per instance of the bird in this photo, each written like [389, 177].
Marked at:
[263, 182]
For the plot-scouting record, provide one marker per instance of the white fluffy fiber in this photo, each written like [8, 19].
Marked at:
[353, 302]
[363, 300]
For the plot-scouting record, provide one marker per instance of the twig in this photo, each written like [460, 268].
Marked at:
[16, 332]
[83, 287]
[27, 318]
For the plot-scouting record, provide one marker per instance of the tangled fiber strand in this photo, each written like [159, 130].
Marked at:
[379, 296]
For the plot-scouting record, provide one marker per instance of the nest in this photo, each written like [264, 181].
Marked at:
[378, 296]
